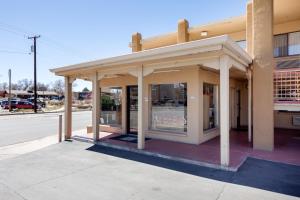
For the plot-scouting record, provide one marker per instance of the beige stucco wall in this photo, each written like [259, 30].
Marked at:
[194, 77]
[237, 34]
[285, 120]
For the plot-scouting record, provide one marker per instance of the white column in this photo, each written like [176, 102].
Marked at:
[141, 133]
[249, 77]
[224, 110]
[68, 108]
[96, 106]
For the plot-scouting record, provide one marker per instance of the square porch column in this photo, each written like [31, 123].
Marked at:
[68, 108]
[224, 110]
[263, 66]
[96, 106]
[141, 104]
[249, 77]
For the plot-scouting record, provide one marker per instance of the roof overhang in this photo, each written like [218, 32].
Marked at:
[203, 52]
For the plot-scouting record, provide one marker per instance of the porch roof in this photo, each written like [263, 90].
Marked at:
[204, 50]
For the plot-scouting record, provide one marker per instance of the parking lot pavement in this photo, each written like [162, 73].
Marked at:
[75, 170]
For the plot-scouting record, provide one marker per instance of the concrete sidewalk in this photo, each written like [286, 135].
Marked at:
[76, 170]
[14, 150]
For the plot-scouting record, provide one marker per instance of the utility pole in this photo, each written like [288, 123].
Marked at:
[9, 89]
[34, 62]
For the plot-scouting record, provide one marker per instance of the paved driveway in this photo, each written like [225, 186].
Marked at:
[75, 170]
[26, 127]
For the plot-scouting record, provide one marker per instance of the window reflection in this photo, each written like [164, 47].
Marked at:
[111, 106]
[169, 107]
[209, 106]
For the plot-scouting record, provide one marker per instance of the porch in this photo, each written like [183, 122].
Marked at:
[184, 93]
[287, 148]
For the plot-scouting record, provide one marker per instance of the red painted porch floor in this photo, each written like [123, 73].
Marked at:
[287, 148]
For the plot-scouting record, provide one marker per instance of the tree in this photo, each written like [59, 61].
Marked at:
[42, 86]
[3, 86]
[14, 86]
[25, 84]
[85, 89]
[58, 86]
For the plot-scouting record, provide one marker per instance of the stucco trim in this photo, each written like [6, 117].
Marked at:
[182, 49]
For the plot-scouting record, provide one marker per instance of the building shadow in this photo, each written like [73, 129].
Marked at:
[261, 174]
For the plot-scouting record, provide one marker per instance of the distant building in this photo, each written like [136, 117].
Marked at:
[23, 94]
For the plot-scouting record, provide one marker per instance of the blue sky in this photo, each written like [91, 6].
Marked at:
[79, 31]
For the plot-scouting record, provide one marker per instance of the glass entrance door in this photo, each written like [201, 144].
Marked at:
[132, 109]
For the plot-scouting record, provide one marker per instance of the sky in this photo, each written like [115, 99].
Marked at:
[74, 31]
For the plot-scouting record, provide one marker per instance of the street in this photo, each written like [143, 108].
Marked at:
[21, 128]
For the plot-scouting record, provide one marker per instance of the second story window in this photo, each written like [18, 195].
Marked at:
[294, 43]
[287, 44]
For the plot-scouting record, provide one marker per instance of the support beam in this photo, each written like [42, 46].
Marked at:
[68, 108]
[224, 110]
[249, 77]
[263, 66]
[141, 132]
[96, 106]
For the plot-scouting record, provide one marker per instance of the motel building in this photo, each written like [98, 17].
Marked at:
[210, 94]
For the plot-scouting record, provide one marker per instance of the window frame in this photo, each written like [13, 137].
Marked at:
[287, 41]
[216, 91]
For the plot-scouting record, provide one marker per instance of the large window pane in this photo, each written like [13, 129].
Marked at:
[280, 45]
[111, 106]
[210, 103]
[294, 43]
[169, 107]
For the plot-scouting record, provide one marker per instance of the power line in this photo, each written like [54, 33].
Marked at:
[18, 31]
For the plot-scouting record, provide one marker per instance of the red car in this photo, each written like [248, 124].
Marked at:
[24, 105]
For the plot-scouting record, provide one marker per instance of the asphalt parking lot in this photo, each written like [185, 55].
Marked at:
[77, 170]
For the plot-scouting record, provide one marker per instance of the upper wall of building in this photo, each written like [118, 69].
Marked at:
[286, 19]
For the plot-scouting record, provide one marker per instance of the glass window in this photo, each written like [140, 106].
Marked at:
[210, 103]
[242, 44]
[111, 106]
[169, 107]
[294, 43]
[280, 45]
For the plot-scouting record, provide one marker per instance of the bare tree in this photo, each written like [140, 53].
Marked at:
[3, 86]
[58, 86]
[42, 86]
[25, 84]
[14, 86]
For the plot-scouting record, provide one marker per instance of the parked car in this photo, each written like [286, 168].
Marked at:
[21, 105]
[5, 105]
[2, 102]
[39, 102]
[24, 105]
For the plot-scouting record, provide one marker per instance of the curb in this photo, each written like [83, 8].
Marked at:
[32, 113]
